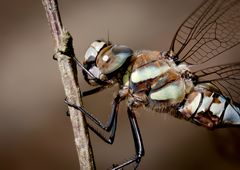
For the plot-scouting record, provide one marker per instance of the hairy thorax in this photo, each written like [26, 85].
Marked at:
[155, 81]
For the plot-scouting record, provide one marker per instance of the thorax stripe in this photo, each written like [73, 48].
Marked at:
[148, 72]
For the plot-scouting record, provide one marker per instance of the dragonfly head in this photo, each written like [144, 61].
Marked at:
[105, 61]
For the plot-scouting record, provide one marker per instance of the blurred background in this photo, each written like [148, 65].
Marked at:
[36, 134]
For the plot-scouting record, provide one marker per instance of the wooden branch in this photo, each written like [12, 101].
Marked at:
[64, 53]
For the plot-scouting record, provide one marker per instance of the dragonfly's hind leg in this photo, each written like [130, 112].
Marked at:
[137, 141]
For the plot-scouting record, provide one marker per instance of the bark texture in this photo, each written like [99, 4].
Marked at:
[63, 53]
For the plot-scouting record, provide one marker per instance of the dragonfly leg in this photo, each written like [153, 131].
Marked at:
[112, 128]
[97, 80]
[111, 124]
[137, 141]
[89, 92]
[92, 91]
[54, 57]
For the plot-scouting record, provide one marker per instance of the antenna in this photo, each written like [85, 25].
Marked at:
[108, 42]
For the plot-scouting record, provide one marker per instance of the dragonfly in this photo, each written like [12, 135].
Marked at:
[164, 81]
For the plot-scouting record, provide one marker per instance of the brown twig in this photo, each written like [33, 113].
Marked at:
[64, 53]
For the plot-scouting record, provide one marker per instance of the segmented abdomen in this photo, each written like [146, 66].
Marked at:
[210, 109]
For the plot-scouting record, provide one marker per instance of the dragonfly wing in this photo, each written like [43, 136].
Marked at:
[211, 29]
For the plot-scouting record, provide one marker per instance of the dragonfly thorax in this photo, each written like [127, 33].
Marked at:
[156, 81]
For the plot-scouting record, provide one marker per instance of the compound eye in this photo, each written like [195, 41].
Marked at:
[122, 51]
[113, 58]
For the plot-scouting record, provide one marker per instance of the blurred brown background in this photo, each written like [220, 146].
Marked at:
[36, 134]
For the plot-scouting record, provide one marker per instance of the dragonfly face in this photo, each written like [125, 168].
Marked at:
[104, 61]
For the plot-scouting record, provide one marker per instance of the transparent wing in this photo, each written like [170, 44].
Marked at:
[211, 29]
[225, 77]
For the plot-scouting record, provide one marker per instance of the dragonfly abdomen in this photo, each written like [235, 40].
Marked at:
[209, 108]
